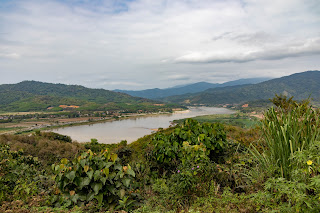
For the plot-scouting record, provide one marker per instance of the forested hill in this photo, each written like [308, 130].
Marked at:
[33, 95]
[190, 88]
[300, 85]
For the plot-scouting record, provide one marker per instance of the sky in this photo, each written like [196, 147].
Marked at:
[141, 44]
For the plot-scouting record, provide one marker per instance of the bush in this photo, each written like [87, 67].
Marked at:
[20, 176]
[168, 149]
[286, 131]
[97, 177]
[48, 151]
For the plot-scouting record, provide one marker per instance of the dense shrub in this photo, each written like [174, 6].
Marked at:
[98, 177]
[288, 129]
[54, 136]
[167, 149]
[21, 177]
[48, 151]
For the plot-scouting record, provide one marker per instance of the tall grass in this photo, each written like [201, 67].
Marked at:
[286, 132]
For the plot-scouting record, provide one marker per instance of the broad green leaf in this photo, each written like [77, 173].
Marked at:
[118, 184]
[75, 198]
[71, 175]
[82, 196]
[97, 175]
[84, 182]
[96, 187]
[103, 180]
[131, 172]
[106, 171]
[126, 182]
[109, 164]
[90, 196]
[99, 197]
[118, 167]
[102, 164]
[83, 162]
[114, 157]
[112, 175]
[90, 174]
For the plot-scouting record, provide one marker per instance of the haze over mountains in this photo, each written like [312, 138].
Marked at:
[157, 93]
[300, 85]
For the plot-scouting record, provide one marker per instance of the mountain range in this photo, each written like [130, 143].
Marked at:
[157, 93]
[300, 85]
[38, 96]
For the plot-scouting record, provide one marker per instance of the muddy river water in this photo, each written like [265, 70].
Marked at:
[133, 128]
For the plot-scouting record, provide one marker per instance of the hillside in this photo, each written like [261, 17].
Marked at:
[34, 96]
[157, 93]
[300, 85]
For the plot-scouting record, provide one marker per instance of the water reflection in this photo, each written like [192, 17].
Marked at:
[133, 128]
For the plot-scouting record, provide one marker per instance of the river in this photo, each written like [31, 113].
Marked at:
[132, 128]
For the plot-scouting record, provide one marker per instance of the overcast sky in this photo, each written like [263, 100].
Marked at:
[139, 44]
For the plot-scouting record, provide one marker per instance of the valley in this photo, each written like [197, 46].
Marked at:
[160, 156]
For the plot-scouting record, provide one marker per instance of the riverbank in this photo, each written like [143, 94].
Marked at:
[29, 125]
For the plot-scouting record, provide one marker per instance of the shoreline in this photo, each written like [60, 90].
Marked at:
[50, 126]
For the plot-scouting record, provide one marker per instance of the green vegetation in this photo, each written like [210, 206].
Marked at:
[238, 119]
[37, 96]
[192, 167]
[95, 176]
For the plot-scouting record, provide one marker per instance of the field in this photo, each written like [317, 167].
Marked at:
[244, 120]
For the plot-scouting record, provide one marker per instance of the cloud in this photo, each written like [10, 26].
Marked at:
[178, 77]
[310, 47]
[122, 83]
[146, 41]
[9, 56]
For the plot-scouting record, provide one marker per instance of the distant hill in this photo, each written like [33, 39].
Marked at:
[300, 85]
[190, 88]
[35, 96]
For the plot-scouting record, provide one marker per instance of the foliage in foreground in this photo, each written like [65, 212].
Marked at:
[20, 176]
[290, 128]
[95, 176]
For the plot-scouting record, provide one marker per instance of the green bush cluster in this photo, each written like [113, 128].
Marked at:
[48, 150]
[93, 176]
[168, 149]
[21, 177]
[182, 161]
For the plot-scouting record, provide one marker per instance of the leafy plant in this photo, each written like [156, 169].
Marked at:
[98, 177]
[20, 176]
[168, 150]
[286, 132]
